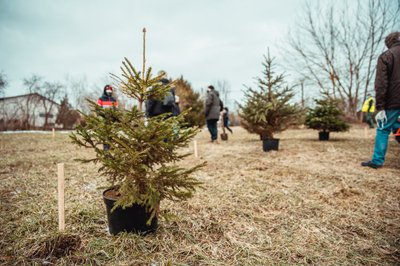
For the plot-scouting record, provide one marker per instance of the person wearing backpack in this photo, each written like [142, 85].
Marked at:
[212, 111]
[167, 105]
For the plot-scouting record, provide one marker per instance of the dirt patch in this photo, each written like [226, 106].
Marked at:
[53, 248]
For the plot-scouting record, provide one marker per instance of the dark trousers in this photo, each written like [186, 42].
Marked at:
[226, 124]
[212, 127]
[369, 119]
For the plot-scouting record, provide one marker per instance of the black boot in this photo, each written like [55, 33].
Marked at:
[371, 164]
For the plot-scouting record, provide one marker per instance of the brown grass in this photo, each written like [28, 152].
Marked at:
[309, 203]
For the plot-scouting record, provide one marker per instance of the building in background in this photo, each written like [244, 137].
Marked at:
[29, 111]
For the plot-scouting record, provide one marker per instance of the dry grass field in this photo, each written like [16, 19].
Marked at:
[309, 203]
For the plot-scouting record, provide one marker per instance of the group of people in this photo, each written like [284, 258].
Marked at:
[170, 103]
[214, 108]
[387, 92]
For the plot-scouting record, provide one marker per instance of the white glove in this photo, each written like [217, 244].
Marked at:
[381, 117]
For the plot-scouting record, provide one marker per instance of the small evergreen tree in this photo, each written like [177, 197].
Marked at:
[140, 163]
[66, 115]
[326, 116]
[268, 110]
[190, 101]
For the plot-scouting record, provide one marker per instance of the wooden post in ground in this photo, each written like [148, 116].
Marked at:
[54, 133]
[61, 205]
[196, 154]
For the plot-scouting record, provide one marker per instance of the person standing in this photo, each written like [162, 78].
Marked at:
[369, 108]
[157, 107]
[212, 110]
[176, 110]
[107, 101]
[387, 90]
[225, 119]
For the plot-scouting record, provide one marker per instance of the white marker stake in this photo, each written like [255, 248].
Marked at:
[196, 154]
[54, 132]
[61, 206]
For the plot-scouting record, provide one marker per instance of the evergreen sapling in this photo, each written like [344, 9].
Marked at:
[140, 164]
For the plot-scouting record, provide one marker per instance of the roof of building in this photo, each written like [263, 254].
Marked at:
[27, 95]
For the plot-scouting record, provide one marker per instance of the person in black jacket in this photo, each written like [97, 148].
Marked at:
[167, 105]
[387, 90]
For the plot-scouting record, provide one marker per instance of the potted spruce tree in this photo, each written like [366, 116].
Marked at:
[140, 164]
[326, 117]
[268, 110]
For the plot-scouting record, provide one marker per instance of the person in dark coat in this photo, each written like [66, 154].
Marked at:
[212, 111]
[107, 101]
[167, 105]
[387, 95]
[176, 110]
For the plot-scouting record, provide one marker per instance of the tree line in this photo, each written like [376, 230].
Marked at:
[71, 99]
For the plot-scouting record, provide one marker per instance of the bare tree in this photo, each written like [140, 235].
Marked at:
[52, 92]
[79, 90]
[336, 47]
[224, 89]
[3, 83]
[27, 107]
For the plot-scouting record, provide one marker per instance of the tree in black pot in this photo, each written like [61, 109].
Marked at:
[140, 164]
[268, 109]
[326, 117]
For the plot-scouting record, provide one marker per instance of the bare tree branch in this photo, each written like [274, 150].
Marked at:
[336, 47]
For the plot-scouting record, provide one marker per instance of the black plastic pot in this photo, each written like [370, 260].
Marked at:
[270, 144]
[323, 135]
[224, 136]
[131, 219]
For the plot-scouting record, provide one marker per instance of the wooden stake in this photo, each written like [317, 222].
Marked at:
[196, 154]
[54, 133]
[61, 206]
[144, 52]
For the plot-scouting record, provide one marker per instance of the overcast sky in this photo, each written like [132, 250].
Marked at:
[204, 41]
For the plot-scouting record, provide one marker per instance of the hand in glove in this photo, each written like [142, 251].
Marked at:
[381, 117]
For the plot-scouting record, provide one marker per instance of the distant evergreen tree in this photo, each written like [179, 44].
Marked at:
[66, 115]
[3, 83]
[268, 110]
[190, 101]
[326, 116]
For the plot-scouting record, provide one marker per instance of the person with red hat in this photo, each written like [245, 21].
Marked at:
[107, 101]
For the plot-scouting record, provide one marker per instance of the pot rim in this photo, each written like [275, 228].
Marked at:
[104, 194]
